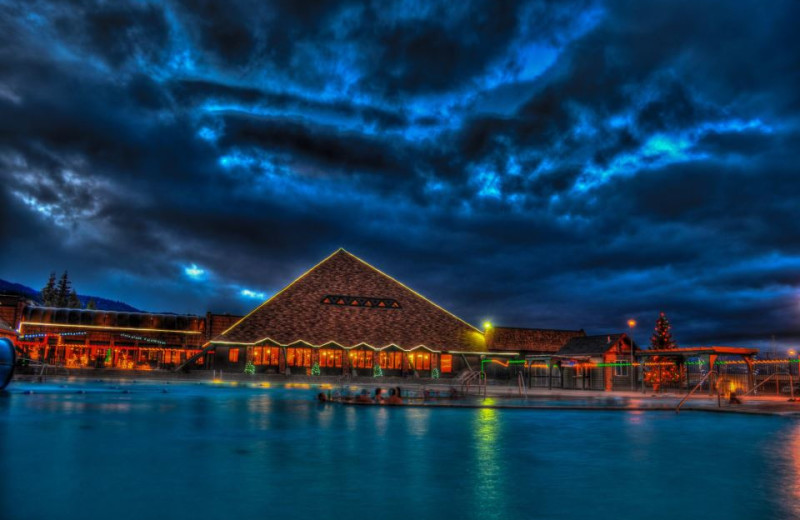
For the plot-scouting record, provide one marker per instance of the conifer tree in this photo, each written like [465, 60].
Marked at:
[663, 370]
[62, 291]
[91, 304]
[662, 337]
[74, 301]
[49, 291]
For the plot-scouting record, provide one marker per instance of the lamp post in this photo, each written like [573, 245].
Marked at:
[792, 352]
[631, 326]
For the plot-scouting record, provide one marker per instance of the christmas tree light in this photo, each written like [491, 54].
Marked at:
[662, 340]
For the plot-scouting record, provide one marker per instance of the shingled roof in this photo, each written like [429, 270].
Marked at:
[347, 301]
[590, 345]
[529, 340]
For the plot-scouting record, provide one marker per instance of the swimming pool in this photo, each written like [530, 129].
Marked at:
[150, 450]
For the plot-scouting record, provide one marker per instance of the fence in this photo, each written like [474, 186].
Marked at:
[769, 377]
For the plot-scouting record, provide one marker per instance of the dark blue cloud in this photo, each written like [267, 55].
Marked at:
[553, 164]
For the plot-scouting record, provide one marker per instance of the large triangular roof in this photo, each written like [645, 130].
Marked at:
[299, 313]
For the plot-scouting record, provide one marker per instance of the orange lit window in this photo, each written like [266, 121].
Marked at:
[275, 355]
[257, 355]
[298, 357]
[330, 358]
[446, 363]
[420, 361]
[233, 355]
[361, 358]
[391, 360]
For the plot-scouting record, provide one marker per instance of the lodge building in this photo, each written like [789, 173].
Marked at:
[342, 317]
[81, 338]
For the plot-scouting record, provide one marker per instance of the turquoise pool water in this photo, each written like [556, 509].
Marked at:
[198, 451]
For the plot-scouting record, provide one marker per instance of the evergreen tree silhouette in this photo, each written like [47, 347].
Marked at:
[74, 301]
[49, 291]
[62, 291]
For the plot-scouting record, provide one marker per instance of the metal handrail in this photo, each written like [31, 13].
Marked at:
[698, 385]
[770, 377]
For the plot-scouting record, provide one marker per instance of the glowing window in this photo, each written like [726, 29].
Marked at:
[257, 353]
[391, 360]
[233, 355]
[420, 361]
[330, 358]
[298, 357]
[446, 363]
[361, 358]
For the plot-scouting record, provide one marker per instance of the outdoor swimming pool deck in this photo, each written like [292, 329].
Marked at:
[165, 449]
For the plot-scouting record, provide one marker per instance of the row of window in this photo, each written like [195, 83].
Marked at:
[332, 358]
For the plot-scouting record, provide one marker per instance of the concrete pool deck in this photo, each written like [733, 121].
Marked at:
[496, 395]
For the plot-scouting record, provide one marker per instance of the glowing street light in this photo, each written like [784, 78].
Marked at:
[487, 325]
[632, 325]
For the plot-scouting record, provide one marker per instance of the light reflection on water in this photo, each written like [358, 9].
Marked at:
[201, 451]
[790, 454]
[490, 489]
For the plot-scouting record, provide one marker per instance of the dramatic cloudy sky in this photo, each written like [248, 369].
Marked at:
[542, 164]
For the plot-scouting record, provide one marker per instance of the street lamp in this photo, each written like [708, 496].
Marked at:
[631, 326]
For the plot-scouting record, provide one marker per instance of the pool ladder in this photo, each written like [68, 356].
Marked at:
[521, 385]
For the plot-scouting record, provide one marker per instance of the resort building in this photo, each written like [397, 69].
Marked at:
[81, 338]
[613, 354]
[344, 316]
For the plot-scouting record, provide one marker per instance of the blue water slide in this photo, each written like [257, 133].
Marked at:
[7, 358]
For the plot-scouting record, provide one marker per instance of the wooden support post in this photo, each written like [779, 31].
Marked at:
[712, 359]
[549, 374]
[750, 375]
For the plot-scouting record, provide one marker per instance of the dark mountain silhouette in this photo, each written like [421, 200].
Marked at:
[103, 304]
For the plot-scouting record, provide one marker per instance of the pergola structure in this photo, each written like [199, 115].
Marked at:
[711, 353]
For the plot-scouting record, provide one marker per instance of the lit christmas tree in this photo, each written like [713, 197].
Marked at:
[315, 371]
[663, 370]
[377, 371]
[662, 337]
[249, 368]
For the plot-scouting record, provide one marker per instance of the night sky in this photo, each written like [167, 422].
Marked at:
[540, 164]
